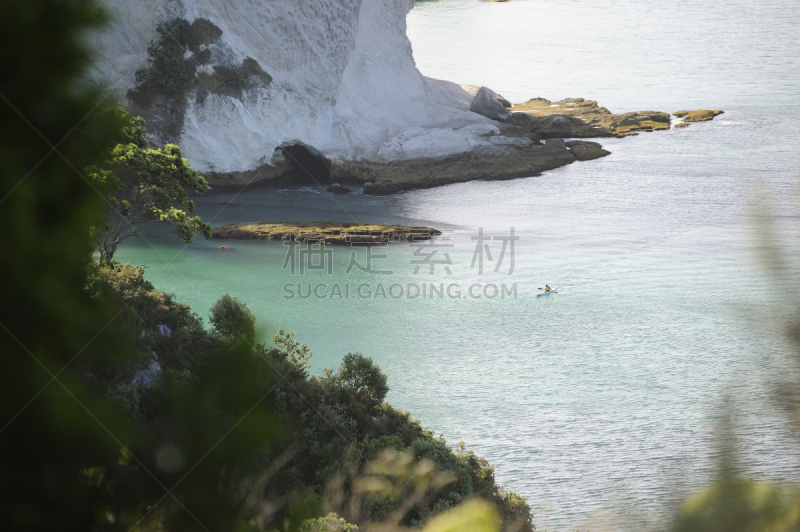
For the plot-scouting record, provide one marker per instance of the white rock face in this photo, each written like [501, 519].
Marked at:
[344, 82]
[147, 376]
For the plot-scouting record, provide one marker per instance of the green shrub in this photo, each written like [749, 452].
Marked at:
[167, 73]
[202, 57]
[328, 418]
[202, 31]
[231, 81]
[252, 68]
[169, 76]
[232, 318]
[364, 378]
[516, 511]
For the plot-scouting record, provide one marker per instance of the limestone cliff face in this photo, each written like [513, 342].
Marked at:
[344, 82]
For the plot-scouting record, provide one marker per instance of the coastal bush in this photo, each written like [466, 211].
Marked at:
[232, 80]
[252, 68]
[363, 378]
[231, 317]
[170, 75]
[228, 81]
[202, 57]
[74, 455]
[167, 73]
[202, 31]
[337, 421]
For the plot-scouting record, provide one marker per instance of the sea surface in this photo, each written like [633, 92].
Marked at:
[599, 403]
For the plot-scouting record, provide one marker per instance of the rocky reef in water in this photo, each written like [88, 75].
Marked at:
[327, 232]
[700, 115]
[579, 118]
[292, 93]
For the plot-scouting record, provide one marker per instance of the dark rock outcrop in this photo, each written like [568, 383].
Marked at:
[336, 188]
[584, 150]
[523, 159]
[486, 103]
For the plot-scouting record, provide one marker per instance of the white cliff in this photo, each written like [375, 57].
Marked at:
[344, 82]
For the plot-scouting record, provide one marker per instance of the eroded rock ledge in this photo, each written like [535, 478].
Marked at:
[529, 141]
[509, 158]
[327, 232]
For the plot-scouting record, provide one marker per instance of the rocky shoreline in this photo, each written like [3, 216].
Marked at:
[327, 232]
[246, 112]
[528, 139]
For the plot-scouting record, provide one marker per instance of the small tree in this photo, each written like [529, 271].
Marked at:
[364, 377]
[230, 316]
[144, 185]
[297, 354]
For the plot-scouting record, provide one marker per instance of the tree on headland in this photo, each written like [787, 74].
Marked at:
[142, 185]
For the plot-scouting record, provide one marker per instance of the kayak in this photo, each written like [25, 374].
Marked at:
[552, 290]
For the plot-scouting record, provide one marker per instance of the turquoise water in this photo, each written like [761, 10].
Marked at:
[599, 401]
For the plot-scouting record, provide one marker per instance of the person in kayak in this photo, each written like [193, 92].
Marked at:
[547, 288]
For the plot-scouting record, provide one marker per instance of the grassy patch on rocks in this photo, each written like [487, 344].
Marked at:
[327, 232]
[700, 115]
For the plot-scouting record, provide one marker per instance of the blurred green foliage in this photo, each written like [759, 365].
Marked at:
[735, 502]
[329, 523]
[51, 429]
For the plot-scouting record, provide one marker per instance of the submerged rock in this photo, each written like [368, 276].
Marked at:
[584, 150]
[336, 188]
[486, 103]
[562, 126]
[327, 232]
